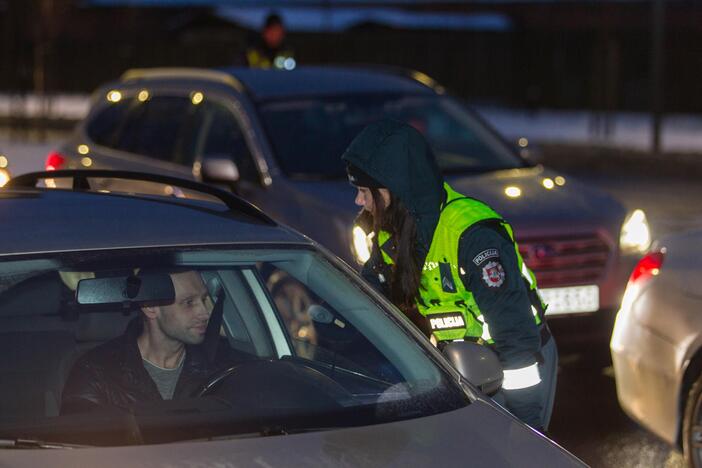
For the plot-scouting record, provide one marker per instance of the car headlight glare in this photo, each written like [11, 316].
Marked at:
[361, 245]
[4, 177]
[636, 234]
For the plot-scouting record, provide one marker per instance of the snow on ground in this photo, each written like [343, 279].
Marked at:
[680, 132]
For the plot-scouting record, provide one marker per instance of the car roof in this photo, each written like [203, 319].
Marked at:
[54, 220]
[263, 85]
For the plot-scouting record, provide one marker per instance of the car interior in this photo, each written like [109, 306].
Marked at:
[306, 346]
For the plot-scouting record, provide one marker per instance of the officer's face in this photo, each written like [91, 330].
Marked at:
[186, 319]
[364, 198]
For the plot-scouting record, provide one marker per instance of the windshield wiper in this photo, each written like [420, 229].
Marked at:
[19, 443]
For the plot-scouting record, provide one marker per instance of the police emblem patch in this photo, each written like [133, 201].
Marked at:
[493, 274]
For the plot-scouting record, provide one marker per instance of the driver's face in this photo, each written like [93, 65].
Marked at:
[186, 319]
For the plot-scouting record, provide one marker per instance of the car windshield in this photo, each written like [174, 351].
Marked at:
[285, 342]
[310, 135]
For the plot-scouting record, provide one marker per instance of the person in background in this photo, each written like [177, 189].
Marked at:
[269, 50]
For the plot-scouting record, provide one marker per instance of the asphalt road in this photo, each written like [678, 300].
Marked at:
[587, 419]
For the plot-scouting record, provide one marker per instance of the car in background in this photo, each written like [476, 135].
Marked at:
[657, 343]
[276, 139]
[365, 389]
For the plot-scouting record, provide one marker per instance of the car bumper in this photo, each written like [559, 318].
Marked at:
[595, 328]
[646, 368]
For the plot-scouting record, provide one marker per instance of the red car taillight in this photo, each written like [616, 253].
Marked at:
[55, 161]
[647, 267]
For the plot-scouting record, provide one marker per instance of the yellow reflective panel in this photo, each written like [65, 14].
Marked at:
[114, 96]
[3, 161]
[513, 192]
[83, 149]
[560, 181]
[548, 183]
[86, 161]
[197, 97]
[143, 95]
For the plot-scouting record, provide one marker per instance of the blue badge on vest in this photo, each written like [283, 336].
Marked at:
[447, 284]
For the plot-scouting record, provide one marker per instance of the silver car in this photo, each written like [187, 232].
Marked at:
[657, 344]
[358, 387]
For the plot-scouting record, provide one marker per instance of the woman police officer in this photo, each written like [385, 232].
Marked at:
[451, 264]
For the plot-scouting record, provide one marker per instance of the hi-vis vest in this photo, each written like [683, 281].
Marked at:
[449, 307]
[257, 59]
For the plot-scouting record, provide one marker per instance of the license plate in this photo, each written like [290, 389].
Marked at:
[571, 300]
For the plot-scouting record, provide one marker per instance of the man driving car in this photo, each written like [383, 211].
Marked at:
[158, 357]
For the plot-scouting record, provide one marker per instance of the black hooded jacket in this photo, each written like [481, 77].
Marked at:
[399, 158]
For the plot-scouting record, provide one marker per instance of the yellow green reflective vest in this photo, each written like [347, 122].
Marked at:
[455, 315]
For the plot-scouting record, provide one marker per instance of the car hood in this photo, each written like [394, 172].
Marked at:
[572, 203]
[569, 206]
[478, 435]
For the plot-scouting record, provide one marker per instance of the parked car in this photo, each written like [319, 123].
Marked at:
[657, 344]
[276, 139]
[363, 388]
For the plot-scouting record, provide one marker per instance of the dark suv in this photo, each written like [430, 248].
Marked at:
[276, 139]
[73, 275]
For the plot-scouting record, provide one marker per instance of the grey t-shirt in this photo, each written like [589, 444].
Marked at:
[165, 379]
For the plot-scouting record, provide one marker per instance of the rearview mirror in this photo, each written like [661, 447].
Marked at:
[219, 170]
[478, 364]
[126, 291]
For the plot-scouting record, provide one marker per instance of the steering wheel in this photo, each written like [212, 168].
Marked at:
[275, 382]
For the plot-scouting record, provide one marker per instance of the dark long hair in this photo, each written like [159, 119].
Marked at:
[404, 282]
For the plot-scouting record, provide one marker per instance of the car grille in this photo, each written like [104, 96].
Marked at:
[566, 261]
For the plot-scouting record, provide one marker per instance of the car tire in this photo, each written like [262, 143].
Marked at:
[692, 425]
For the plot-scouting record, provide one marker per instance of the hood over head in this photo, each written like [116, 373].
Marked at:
[398, 157]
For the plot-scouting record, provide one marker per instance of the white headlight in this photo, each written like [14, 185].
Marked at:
[361, 245]
[4, 177]
[636, 234]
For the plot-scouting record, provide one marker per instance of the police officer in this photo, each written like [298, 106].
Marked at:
[269, 50]
[453, 261]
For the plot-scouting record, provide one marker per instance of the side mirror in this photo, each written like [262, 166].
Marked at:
[219, 170]
[478, 364]
[529, 151]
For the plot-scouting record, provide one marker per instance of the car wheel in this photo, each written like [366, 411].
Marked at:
[692, 425]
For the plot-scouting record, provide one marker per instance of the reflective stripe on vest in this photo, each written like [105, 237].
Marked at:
[443, 294]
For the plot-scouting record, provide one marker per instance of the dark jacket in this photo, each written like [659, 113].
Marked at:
[399, 158]
[113, 375]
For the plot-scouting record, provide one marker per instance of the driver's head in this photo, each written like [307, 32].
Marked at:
[186, 319]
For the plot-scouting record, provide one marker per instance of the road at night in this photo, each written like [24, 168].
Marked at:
[587, 418]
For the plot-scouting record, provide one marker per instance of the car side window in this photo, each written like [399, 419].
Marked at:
[104, 126]
[321, 334]
[224, 138]
[164, 128]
